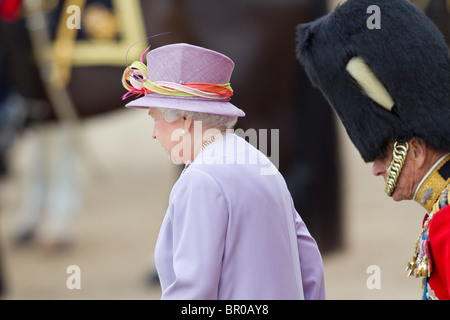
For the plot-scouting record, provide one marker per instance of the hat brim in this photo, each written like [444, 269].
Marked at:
[224, 108]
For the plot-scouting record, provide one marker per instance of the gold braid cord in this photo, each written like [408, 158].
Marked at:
[398, 159]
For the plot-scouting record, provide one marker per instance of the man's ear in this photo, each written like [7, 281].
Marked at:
[419, 150]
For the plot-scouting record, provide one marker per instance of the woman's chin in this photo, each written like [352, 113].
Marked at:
[175, 160]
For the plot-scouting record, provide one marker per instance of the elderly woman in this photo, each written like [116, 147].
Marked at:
[230, 232]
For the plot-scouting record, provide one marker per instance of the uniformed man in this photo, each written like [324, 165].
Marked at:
[385, 69]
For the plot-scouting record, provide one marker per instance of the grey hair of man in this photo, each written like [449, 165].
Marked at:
[208, 120]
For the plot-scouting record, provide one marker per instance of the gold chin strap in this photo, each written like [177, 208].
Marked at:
[398, 159]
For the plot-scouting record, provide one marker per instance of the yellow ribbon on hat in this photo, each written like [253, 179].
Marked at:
[136, 81]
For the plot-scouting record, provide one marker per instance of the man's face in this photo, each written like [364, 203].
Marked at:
[405, 184]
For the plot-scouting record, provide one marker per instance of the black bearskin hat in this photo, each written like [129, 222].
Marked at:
[388, 81]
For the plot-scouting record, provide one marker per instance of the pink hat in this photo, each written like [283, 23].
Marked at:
[185, 77]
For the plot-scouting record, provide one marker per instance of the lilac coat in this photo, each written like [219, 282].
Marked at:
[231, 232]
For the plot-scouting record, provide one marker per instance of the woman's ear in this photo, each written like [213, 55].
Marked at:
[419, 150]
[187, 123]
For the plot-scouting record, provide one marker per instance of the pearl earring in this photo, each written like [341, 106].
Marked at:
[183, 132]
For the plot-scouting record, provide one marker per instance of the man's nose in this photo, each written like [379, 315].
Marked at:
[378, 168]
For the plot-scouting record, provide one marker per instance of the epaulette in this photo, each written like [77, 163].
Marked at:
[442, 201]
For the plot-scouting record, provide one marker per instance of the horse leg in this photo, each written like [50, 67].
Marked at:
[34, 189]
[62, 198]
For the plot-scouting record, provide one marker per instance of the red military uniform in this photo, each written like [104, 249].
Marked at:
[431, 258]
[440, 253]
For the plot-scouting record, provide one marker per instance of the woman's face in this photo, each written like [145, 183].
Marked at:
[168, 134]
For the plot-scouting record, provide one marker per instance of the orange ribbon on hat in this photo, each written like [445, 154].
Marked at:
[136, 81]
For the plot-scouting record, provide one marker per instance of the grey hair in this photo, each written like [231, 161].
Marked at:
[209, 120]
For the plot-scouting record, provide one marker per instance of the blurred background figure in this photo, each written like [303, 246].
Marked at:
[56, 61]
